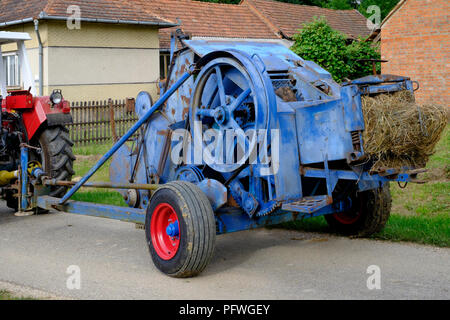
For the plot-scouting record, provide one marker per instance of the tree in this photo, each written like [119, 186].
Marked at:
[320, 43]
[385, 6]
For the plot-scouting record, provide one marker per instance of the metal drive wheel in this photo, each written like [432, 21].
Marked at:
[225, 99]
[180, 229]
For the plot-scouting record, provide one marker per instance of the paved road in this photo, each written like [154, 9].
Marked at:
[36, 251]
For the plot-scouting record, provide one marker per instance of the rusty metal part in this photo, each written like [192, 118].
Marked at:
[103, 185]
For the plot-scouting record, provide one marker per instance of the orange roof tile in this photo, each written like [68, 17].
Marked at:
[205, 19]
[289, 18]
[254, 19]
[109, 10]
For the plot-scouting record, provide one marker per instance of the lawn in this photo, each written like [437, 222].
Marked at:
[420, 213]
[87, 156]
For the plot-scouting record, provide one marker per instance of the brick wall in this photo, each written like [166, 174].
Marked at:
[416, 41]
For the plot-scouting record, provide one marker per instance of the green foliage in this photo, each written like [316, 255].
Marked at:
[320, 43]
[385, 6]
[361, 50]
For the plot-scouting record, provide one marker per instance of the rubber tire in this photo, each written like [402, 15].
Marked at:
[197, 229]
[376, 208]
[57, 156]
[11, 201]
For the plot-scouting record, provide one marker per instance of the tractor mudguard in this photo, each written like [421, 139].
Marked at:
[43, 111]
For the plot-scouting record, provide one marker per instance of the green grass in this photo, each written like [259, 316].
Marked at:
[420, 213]
[6, 295]
[100, 196]
[92, 149]
[432, 230]
[83, 164]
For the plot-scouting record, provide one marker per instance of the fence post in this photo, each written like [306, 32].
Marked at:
[112, 120]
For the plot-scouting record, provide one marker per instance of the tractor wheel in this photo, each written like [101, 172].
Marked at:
[11, 200]
[180, 229]
[56, 156]
[368, 215]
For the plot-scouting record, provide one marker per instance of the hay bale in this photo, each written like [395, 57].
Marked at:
[400, 133]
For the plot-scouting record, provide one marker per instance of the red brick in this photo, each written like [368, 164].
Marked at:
[415, 40]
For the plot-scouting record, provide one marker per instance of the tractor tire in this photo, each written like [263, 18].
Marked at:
[186, 252]
[369, 213]
[56, 156]
[12, 202]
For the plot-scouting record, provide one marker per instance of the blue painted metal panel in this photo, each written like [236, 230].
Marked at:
[271, 54]
[353, 114]
[287, 179]
[352, 175]
[321, 132]
[377, 79]
[235, 221]
[92, 209]
[24, 177]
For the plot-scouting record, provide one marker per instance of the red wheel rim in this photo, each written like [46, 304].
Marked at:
[165, 243]
[350, 217]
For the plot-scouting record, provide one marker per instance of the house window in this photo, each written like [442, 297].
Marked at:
[164, 63]
[11, 69]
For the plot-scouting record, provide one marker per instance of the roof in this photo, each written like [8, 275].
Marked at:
[251, 19]
[206, 19]
[289, 17]
[108, 11]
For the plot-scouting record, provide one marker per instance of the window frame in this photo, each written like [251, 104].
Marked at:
[7, 57]
[165, 56]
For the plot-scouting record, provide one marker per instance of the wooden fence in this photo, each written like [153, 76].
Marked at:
[101, 121]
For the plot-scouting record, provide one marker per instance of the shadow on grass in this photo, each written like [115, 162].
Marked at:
[424, 229]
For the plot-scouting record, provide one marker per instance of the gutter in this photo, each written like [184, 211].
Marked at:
[44, 16]
[41, 58]
[15, 22]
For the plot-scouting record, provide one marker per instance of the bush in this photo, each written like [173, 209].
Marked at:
[320, 43]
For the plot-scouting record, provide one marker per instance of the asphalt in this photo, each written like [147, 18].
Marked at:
[113, 258]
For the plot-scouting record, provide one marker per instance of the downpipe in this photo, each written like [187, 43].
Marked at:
[41, 58]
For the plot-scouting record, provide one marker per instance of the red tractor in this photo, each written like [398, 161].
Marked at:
[37, 122]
